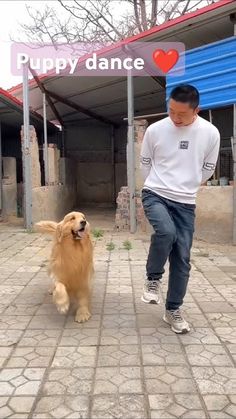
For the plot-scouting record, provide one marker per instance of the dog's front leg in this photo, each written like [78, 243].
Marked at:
[61, 298]
[83, 313]
[52, 285]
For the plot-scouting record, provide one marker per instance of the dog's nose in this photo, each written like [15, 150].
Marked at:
[83, 223]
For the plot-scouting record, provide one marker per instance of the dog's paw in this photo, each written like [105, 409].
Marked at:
[63, 308]
[82, 316]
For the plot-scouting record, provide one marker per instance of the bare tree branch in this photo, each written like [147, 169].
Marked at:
[185, 7]
[171, 10]
[154, 12]
[143, 14]
[135, 3]
[98, 20]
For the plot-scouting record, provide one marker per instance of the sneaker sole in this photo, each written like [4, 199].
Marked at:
[150, 301]
[179, 332]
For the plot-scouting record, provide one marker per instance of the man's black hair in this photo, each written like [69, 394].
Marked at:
[186, 93]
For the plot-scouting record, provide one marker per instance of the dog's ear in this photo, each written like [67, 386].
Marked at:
[59, 232]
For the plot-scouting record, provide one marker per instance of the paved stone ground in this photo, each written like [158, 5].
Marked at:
[125, 362]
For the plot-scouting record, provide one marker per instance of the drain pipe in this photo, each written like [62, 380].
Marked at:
[130, 153]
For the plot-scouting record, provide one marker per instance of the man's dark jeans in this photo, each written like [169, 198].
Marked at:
[173, 225]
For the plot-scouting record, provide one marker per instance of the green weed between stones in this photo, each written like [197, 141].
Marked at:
[97, 233]
[110, 246]
[127, 245]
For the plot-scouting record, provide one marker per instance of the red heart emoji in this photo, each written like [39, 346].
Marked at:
[165, 60]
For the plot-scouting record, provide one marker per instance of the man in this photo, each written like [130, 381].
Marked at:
[178, 154]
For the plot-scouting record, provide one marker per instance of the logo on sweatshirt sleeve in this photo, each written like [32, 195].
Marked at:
[209, 166]
[183, 145]
[146, 161]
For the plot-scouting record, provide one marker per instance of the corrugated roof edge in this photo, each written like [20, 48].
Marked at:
[15, 101]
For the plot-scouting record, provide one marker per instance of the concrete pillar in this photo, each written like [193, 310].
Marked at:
[62, 170]
[9, 186]
[140, 127]
[35, 165]
[9, 170]
[53, 164]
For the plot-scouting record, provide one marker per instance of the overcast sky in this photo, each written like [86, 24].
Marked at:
[11, 14]
[9, 28]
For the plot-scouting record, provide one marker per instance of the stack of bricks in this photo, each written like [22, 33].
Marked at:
[122, 210]
[122, 220]
[140, 127]
[140, 216]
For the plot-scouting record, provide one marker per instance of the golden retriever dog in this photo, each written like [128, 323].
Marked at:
[71, 263]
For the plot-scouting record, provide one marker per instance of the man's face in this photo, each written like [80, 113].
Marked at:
[181, 114]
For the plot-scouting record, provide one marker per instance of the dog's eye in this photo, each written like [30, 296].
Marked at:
[72, 218]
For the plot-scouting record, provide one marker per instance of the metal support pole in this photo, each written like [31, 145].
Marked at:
[0, 166]
[216, 174]
[210, 116]
[130, 153]
[63, 154]
[113, 167]
[150, 115]
[26, 154]
[45, 148]
[234, 160]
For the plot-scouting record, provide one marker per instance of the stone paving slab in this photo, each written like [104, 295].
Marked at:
[125, 362]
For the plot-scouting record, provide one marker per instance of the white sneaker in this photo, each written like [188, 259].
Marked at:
[175, 319]
[151, 292]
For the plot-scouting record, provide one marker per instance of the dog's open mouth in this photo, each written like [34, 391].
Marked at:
[78, 234]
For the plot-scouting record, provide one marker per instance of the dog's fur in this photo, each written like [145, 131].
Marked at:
[71, 263]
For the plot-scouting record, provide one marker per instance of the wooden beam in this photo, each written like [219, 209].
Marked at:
[80, 108]
[43, 90]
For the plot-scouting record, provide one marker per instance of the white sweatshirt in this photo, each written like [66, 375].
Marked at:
[176, 160]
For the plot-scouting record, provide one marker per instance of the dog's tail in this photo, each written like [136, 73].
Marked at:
[46, 227]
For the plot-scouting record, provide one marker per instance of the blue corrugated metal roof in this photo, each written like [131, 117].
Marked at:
[212, 70]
